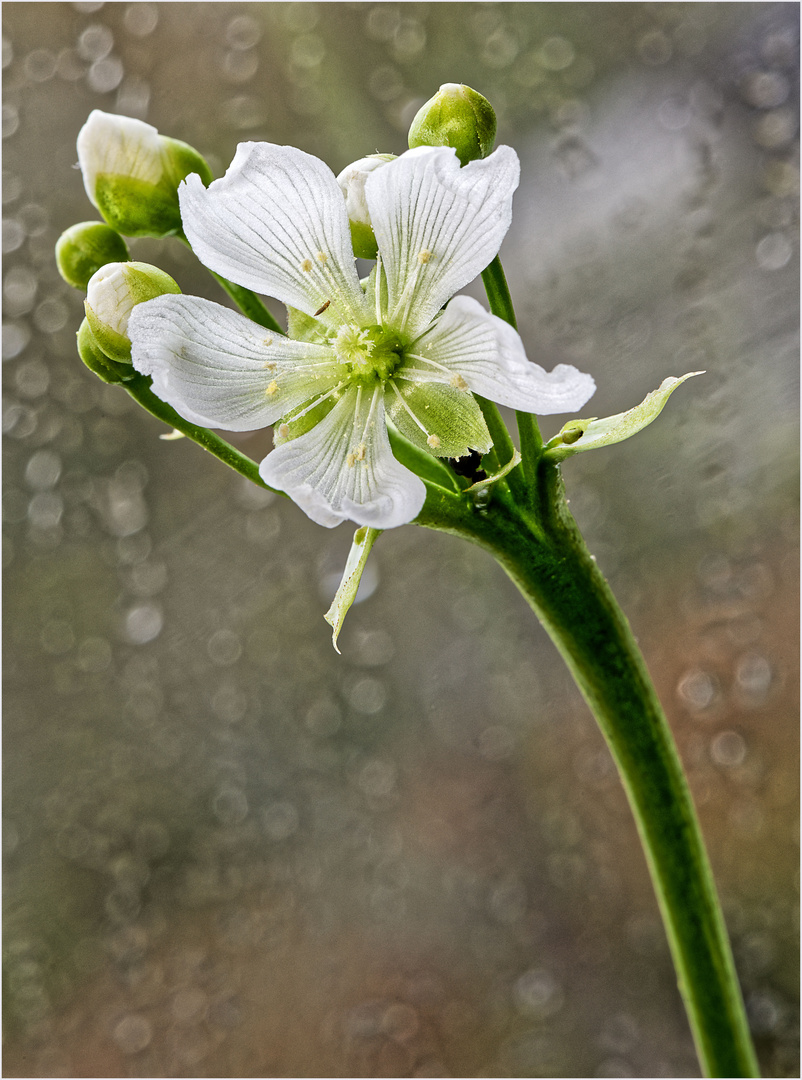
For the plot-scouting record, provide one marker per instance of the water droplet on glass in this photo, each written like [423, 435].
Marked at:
[45, 510]
[698, 689]
[654, 48]
[133, 97]
[43, 470]
[556, 53]
[105, 75]
[94, 655]
[280, 820]
[19, 290]
[143, 624]
[230, 806]
[765, 89]
[95, 42]
[133, 1033]
[728, 749]
[775, 129]
[224, 648]
[367, 696]
[243, 32]
[141, 19]
[774, 251]
[10, 125]
[537, 993]
[189, 1004]
[753, 675]
[50, 316]
[377, 778]
[57, 637]
[39, 65]
[8, 52]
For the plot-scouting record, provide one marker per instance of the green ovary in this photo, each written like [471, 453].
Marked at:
[369, 352]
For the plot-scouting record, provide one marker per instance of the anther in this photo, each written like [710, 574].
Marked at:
[458, 382]
[306, 265]
[284, 430]
[322, 257]
[272, 388]
[269, 365]
[433, 441]
[425, 256]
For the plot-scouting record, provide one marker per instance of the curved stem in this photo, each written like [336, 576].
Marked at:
[139, 389]
[545, 555]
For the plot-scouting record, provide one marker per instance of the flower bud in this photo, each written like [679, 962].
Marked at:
[131, 173]
[352, 181]
[456, 116]
[112, 294]
[84, 248]
[97, 361]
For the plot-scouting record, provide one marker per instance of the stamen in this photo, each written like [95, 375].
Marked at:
[267, 341]
[321, 257]
[377, 289]
[425, 256]
[270, 365]
[431, 363]
[306, 265]
[458, 382]
[284, 430]
[414, 417]
[433, 441]
[317, 401]
[272, 388]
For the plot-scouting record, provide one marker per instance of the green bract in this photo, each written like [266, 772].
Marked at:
[456, 116]
[84, 248]
[579, 435]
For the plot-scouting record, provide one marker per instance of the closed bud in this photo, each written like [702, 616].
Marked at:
[113, 293]
[97, 361]
[456, 116]
[352, 181]
[84, 248]
[131, 173]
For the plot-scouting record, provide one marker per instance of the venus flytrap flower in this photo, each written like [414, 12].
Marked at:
[131, 173]
[358, 354]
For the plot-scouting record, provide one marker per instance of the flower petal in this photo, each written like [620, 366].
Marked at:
[470, 343]
[344, 469]
[217, 368]
[277, 223]
[111, 145]
[438, 225]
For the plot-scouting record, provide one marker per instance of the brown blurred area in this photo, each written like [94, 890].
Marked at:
[230, 852]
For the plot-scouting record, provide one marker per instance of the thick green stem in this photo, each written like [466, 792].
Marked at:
[545, 555]
[498, 296]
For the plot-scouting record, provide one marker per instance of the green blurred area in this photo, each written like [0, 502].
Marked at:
[231, 852]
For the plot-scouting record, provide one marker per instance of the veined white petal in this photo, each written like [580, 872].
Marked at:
[120, 146]
[437, 225]
[343, 468]
[488, 354]
[217, 368]
[277, 223]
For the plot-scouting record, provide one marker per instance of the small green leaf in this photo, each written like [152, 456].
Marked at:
[579, 435]
[364, 539]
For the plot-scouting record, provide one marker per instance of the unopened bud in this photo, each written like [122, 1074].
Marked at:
[456, 116]
[111, 296]
[352, 181]
[84, 248]
[97, 361]
[131, 173]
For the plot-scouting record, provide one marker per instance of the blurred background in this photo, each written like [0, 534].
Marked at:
[231, 852]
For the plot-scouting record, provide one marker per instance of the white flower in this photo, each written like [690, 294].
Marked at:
[356, 357]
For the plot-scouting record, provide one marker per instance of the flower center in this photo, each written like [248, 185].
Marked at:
[368, 352]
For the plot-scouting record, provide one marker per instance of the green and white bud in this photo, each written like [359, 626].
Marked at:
[84, 248]
[97, 361]
[456, 116]
[352, 181]
[131, 173]
[113, 293]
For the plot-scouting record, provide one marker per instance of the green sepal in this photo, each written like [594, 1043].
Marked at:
[450, 416]
[86, 247]
[303, 327]
[421, 462]
[363, 240]
[579, 435]
[96, 360]
[364, 539]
